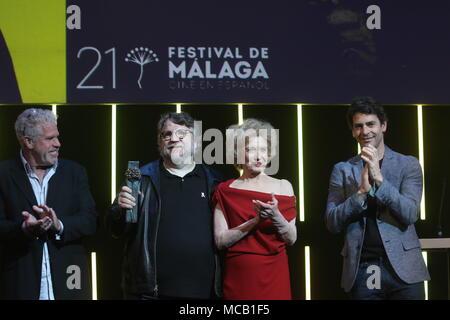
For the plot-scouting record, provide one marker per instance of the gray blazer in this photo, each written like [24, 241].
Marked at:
[398, 200]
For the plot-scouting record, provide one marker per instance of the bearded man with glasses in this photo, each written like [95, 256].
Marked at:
[169, 253]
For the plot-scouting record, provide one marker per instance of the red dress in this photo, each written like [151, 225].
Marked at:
[256, 267]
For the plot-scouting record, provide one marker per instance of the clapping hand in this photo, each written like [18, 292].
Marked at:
[47, 212]
[266, 209]
[370, 155]
[34, 226]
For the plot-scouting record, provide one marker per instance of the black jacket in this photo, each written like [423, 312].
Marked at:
[21, 256]
[139, 278]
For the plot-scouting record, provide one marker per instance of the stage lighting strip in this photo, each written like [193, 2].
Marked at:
[301, 197]
[240, 113]
[240, 121]
[307, 274]
[113, 191]
[94, 275]
[425, 257]
[421, 158]
[301, 189]
[113, 151]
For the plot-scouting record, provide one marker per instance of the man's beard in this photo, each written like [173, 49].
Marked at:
[179, 156]
[375, 142]
[48, 159]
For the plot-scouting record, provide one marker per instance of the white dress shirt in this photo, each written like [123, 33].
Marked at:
[40, 191]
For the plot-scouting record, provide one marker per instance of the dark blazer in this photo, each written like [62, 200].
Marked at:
[21, 256]
[398, 200]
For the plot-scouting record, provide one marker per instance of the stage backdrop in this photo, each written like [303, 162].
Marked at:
[311, 51]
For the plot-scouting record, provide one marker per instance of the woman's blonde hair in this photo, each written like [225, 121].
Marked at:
[251, 127]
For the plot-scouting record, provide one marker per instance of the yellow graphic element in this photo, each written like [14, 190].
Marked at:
[301, 185]
[35, 33]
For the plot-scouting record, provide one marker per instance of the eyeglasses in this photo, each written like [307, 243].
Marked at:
[180, 133]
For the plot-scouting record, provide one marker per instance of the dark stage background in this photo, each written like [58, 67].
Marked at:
[86, 138]
[256, 51]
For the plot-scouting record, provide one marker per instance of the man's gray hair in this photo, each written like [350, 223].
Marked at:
[29, 123]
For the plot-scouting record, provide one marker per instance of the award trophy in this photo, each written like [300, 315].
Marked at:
[133, 178]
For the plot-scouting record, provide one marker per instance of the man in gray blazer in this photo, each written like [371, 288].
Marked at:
[374, 198]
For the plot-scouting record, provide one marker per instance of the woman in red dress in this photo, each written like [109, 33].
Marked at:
[254, 219]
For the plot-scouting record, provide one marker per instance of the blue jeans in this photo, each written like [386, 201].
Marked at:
[388, 286]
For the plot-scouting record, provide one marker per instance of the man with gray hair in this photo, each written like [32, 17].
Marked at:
[169, 252]
[46, 209]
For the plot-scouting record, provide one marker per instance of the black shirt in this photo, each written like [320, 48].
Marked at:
[372, 245]
[184, 245]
